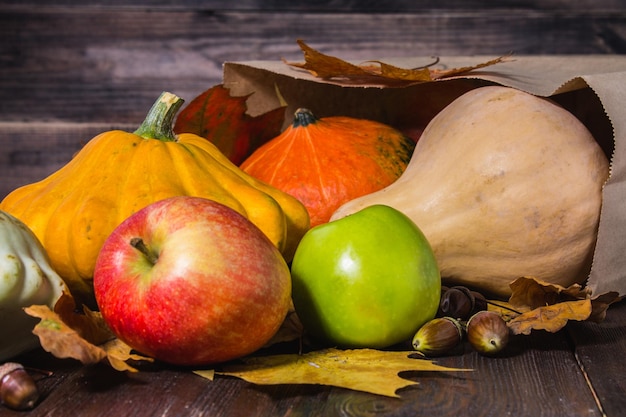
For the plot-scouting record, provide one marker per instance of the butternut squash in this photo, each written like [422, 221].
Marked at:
[503, 184]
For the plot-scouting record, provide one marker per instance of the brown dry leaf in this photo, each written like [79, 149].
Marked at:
[61, 340]
[118, 353]
[84, 337]
[326, 66]
[90, 325]
[291, 329]
[438, 74]
[528, 293]
[600, 304]
[506, 310]
[333, 68]
[407, 74]
[367, 370]
[551, 318]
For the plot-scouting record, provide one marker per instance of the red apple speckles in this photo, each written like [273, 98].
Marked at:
[200, 284]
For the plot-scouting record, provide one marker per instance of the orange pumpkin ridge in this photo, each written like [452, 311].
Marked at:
[328, 161]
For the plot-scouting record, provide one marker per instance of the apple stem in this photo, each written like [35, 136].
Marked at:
[139, 244]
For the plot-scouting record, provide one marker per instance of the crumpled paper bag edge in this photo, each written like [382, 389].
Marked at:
[543, 76]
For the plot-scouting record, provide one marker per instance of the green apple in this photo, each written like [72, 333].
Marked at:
[368, 280]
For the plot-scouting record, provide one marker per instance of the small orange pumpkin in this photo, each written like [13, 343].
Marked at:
[328, 161]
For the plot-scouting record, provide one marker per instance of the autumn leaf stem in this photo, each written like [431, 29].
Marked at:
[435, 62]
[503, 307]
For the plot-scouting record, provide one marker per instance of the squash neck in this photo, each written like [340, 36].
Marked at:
[159, 120]
[303, 117]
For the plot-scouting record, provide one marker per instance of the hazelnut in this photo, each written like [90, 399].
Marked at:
[438, 336]
[17, 388]
[487, 332]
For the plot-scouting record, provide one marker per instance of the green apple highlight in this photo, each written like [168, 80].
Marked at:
[368, 280]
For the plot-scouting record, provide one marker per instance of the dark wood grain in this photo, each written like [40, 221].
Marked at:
[596, 346]
[79, 64]
[72, 69]
[110, 64]
[541, 375]
[372, 6]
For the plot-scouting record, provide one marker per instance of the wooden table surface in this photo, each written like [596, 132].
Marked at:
[72, 69]
[578, 371]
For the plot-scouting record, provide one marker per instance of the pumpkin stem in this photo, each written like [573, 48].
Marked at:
[303, 117]
[158, 123]
[140, 245]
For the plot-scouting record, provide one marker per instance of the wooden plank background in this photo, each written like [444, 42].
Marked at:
[71, 69]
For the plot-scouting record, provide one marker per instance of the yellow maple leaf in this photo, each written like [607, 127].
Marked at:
[206, 373]
[366, 370]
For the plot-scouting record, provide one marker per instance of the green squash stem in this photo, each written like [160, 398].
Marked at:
[158, 124]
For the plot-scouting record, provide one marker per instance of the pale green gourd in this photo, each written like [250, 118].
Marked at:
[26, 278]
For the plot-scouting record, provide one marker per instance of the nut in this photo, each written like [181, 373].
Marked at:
[17, 388]
[480, 302]
[487, 332]
[438, 336]
[457, 302]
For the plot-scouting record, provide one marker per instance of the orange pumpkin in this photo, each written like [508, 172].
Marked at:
[328, 161]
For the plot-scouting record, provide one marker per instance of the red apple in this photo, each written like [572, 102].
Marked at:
[190, 281]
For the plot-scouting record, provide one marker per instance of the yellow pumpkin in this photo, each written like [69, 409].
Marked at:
[117, 173]
[503, 184]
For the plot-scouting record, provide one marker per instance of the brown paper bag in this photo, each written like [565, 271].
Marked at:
[591, 87]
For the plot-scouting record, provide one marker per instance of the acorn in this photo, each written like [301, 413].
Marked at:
[438, 336]
[487, 332]
[17, 388]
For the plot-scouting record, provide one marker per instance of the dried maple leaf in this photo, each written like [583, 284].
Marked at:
[530, 292]
[406, 74]
[548, 306]
[505, 309]
[118, 353]
[90, 325]
[222, 119]
[332, 68]
[291, 329]
[439, 73]
[601, 303]
[60, 339]
[84, 337]
[551, 318]
[367, 370]
[329, 67]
